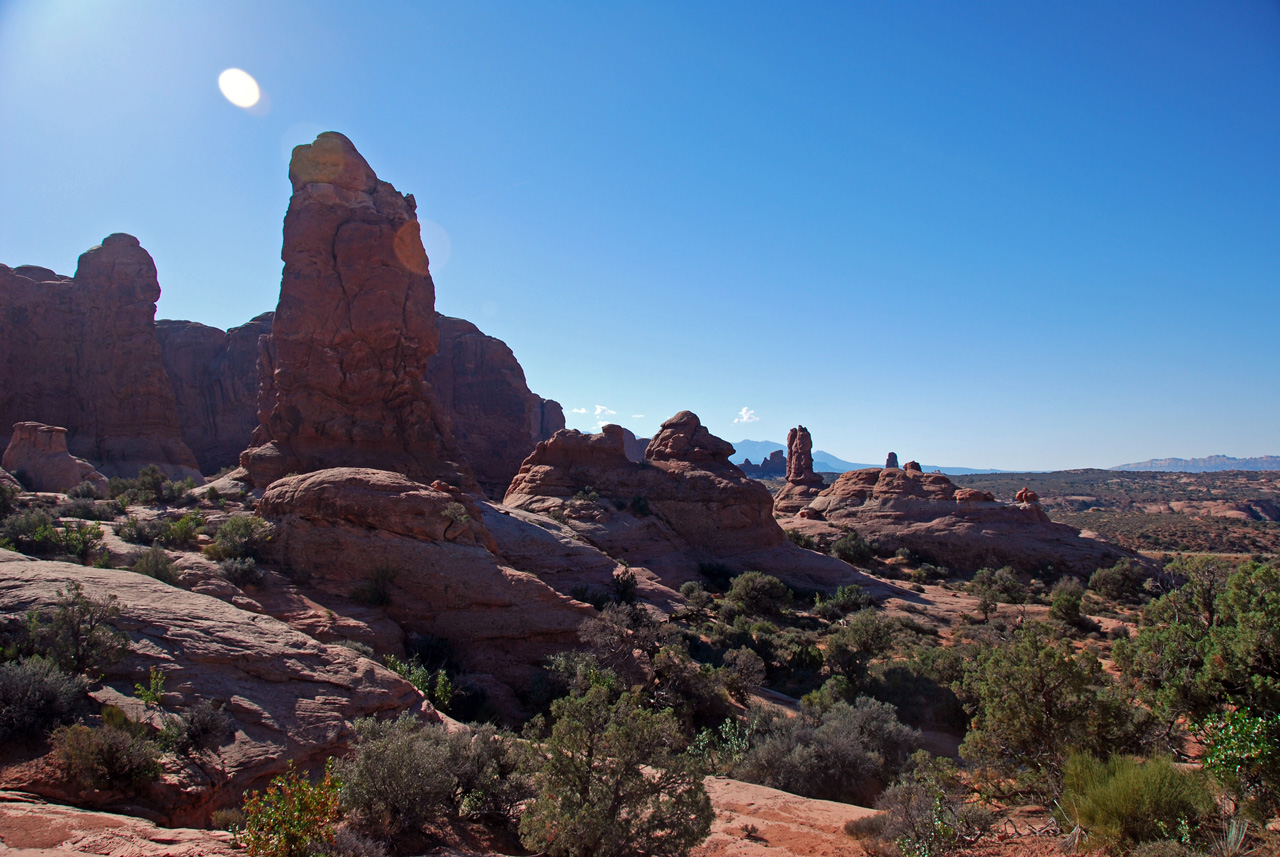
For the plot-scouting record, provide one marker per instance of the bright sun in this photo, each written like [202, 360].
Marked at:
[239, 87]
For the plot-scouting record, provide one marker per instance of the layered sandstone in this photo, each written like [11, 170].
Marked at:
[496, 419]
[37, 455]
[958, 527]
[214, 378]
[289, 697]
[342, 375]
[684, 504]
[81, 352]
[803, 485]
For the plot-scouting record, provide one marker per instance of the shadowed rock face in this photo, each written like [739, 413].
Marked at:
[802, 483]
[214, 377]
[958, 527]
[38, 454]
[342, 375]
[496, 420]
[81, 352]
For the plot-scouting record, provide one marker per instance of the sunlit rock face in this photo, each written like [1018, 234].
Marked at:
[342, 375]
[81, 352]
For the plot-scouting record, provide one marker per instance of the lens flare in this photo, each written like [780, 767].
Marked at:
[239, 87]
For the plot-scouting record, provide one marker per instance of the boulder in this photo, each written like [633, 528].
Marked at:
[342, 375]
[961, 528]
[214, 378]
[683, 505]
[81, 352]
[37, 455]
[803, 485]
[289, 697]
[424, 555]
[496, 420]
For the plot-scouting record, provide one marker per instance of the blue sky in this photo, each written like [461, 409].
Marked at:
[1013, 235]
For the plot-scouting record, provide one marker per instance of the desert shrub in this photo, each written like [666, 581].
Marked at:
[375, 590]
[925, 813]
[623, 587]
[1242, 752]
[866, 635]
[156, 563]
[35, 695]
[399, 776]
[202, 727]
[759, 594]
[362, 649]
[639, 506]
[845, 753]
[116, 754]
[1068, 596]
[8, 499]
[293, 817]
[138, 532]
[181, 532]
[696, 598]
[1122, 582]
[745, 672]
[153, 487]
[226, 819]
[1124, 801]
[36, 532]
[241, 571]
[842, 602]
[613, 779]
[717, 575]
[587, 495]
[240, 537]
[78, 634]
[488, 765]
[86, 510]
[348, 843]
[852, 549]
[1164, 848]
[802, 540]
[994, 586]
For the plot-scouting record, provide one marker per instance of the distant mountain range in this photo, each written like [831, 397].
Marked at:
[1205, 465]
[825, 462]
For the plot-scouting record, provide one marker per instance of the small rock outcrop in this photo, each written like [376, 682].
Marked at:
[958, 527]
[214, 377]
[37, 456]
[892, 461]
[81, 352]
[803, 485]
[1026, 495]
[684, 504]
[497, 421]
[342, 375]
[774, 465]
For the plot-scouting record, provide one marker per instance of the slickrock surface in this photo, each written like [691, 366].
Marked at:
[958, 527]
[214, 377]
[38, 454]
[685, 503]
[343, 372]
[32, 828]
[289, 696]
[497, 421]
[81, 352]
[786, 825]
[426, 548]
[803, 485]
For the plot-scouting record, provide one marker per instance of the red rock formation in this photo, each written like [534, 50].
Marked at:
[685, 503]
[214, 377]
[37, 455]
[1026, 495]
[958, 527]
[81, 352]
[891, 461]
[802, 483]
[343, 371]
[497, 421]
[912, 466]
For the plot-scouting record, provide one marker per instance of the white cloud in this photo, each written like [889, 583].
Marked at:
[578, 411]
[602, 411]
[637, 416]
[746, 415]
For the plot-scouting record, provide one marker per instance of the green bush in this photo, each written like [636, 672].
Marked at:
[842, 754]
[241, 571]
[1068, 596]
[842, 602]
[115, 755]
[613, 779]
[802, 540]
[1242, 751]
[36, 532]
[84, 491]
[1122, 582]
[759, 594]
[745, 671]
[293, 817]
[866, 635]
[138, 532]
[155, 562]
[78, 634]
[85, 509]
[35, 695]
[201, 727]
[180, 533]
[239, 537]
[852, 549]
[1124, 801]
[926, 812]
[152, 487]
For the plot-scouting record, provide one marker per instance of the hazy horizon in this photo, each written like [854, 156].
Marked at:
[1007, 236]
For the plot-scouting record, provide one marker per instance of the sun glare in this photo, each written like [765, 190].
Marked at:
[239, 87]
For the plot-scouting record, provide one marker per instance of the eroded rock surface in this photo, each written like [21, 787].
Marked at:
[214, 377]
[81, 352]
[496, 420]
[342, 375]
[803, 485]
[289, 696]
[37, 454]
